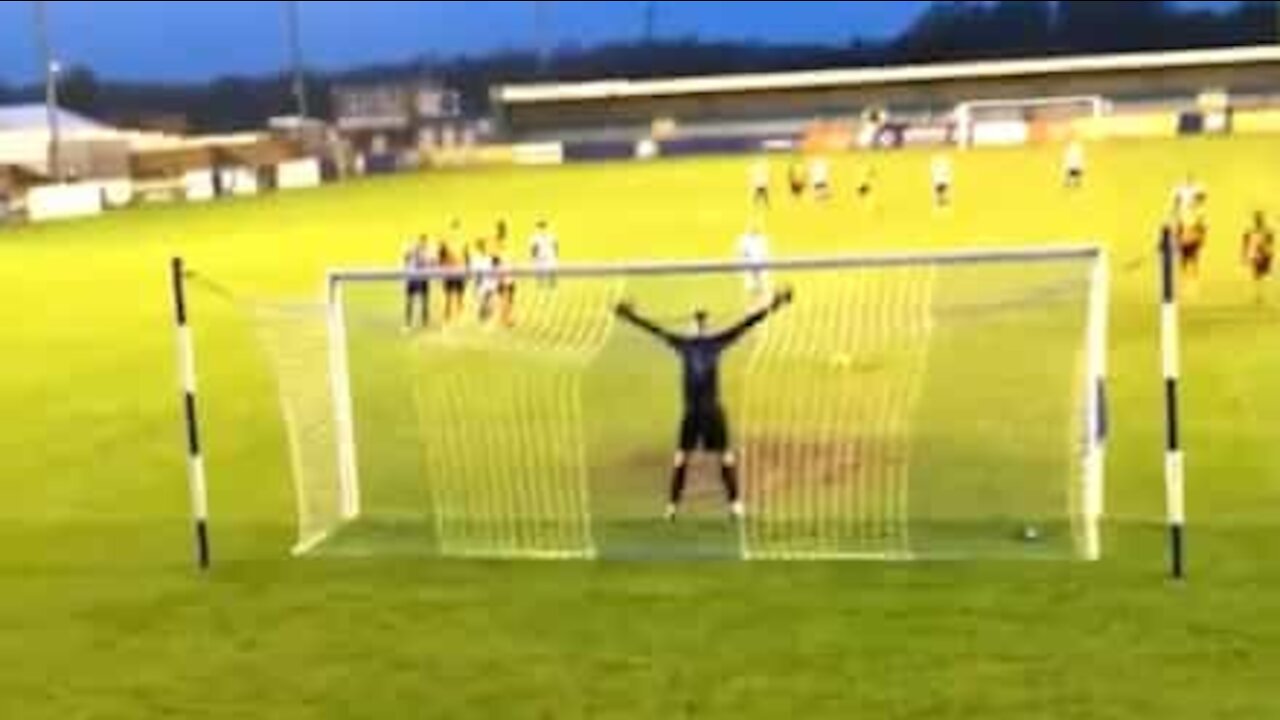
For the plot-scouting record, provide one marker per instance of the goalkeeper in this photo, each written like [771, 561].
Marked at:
[703, 424]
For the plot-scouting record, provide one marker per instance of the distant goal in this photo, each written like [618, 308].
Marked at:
[1014, 121]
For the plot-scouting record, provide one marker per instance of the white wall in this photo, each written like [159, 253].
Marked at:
[296, 174]
[539, 153]
[60, 202]
[198, 185]
[239, 181]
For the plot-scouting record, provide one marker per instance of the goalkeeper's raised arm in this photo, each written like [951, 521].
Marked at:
[735, 333]
[626, 311]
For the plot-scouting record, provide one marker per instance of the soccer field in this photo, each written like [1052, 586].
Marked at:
[102, 615]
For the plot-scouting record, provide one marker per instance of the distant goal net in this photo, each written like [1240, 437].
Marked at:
[915, 405]
[1017, 121]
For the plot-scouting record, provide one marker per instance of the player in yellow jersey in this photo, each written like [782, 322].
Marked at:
[506, 283]
[1192, 232]
[1258, 252]
[453, 257]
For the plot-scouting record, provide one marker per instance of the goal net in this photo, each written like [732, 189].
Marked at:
[928, 405]
[1018, 121]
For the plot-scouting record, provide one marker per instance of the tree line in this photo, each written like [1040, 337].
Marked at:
[945, 31]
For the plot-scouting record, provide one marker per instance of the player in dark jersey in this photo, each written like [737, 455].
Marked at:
[1259, 250]
[866, 182]
[797, 179]
[703, 424]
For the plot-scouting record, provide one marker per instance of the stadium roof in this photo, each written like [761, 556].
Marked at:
[820, 79]
[33, 116]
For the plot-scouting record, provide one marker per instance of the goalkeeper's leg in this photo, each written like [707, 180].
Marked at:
[688, 442]
[679, 475]
[729, 476]
[718, 441]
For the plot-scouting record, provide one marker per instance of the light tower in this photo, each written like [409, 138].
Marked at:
[51, 70]
[293, 31]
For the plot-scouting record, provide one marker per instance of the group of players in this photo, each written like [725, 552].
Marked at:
[1190, 230]
[478, 264]
[1187, 219]
[812, 178]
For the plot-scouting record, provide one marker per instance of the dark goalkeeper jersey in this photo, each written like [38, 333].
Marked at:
[700, 359]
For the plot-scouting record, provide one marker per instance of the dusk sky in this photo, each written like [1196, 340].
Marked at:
[200, 40]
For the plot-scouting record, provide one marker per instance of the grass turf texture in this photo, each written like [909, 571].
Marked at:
[102, 616]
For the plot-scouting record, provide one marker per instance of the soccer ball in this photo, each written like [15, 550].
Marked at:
[1030, 533]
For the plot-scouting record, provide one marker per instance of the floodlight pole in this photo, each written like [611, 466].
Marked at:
[51, 71]
[650, 22]
[293, 29]
[542, 35]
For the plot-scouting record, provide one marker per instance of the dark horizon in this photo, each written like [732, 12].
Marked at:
[199, 41]
[113, 38]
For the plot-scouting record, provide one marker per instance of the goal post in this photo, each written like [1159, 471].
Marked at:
[344, 419]
[906, 405]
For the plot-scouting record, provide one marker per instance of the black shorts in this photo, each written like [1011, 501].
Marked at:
[1262, 266]
[507, 291]
[704, 429]
[797, 189]
[1190, 252]
[416, 288]
[455, 287]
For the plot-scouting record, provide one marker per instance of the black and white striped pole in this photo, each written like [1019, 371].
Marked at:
[195, 462]
[1174, 467]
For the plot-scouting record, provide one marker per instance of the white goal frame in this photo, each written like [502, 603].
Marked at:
[1097, 105]
[1092, 382]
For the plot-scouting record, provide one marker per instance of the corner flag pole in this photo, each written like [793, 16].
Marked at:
[1174, 467]
[195, 462]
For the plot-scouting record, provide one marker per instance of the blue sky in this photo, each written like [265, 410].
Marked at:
[203, 39]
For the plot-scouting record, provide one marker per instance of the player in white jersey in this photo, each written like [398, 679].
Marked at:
[1073, 161]
[759, 181]
[820, 178]
[753, 249]
[545, 251]
[1187, 196]
[481, 266]
[940, 172]
[417, 258]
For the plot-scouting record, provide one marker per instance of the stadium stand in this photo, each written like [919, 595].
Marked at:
[1146, 94]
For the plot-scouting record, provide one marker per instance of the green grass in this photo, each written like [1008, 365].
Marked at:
[102, 616]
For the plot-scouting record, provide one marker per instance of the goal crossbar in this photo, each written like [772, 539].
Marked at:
[1021, 254]
[1096, 103]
